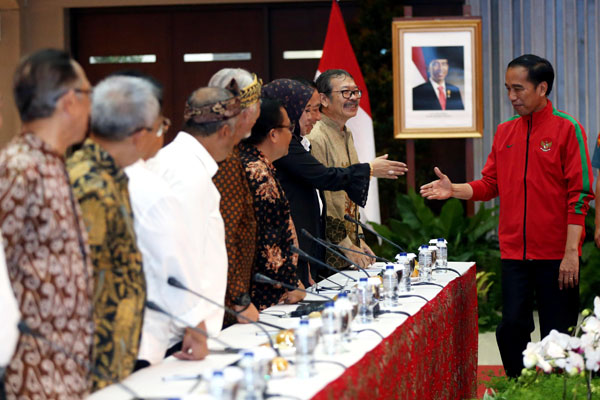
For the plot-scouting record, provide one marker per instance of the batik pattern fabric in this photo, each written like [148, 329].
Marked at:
[275, 228]
[50, 272]
[100, 186]
[335, 148]
[237, 210]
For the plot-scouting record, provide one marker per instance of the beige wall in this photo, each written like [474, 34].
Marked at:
[29, 25]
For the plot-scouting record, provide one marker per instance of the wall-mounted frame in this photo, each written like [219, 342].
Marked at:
[438, 90]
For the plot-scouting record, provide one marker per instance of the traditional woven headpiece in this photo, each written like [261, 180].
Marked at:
[214, 112]
[251, 93]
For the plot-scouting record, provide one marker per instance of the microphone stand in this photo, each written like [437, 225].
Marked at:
[377, 258]
[155, 307]
[176, 283]
[350, 219]
[310, 258]
[258, 277]
[337, 253]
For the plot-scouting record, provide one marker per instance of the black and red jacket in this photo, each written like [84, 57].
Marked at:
[540, 167]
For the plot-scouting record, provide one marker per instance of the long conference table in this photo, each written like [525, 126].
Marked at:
[430, 355]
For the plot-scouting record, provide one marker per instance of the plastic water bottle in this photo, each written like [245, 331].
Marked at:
[249, 386]
[442, 258]
[217, 386]
[433, 250]
[343, 306]
[331, 329]
[425, 261]
[365, 298]
[390, 284]
[304, 349]
[404, 285]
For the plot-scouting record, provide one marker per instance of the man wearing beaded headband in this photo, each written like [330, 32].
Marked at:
[236, 200]
[188, 164]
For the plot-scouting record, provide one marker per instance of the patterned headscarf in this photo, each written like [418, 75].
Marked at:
[292, 95]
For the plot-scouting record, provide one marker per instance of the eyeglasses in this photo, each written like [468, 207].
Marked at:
[291, 126]
[84, 91]
[357, 93]
[87, 91]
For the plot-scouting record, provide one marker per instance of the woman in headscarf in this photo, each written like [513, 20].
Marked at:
[303, 177]
[269, 141]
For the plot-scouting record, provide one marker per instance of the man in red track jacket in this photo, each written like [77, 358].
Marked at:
[540, 167]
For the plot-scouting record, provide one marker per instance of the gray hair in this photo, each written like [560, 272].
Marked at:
[122, 105]
[224, 76]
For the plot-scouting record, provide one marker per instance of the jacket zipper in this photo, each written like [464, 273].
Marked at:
[529, 125]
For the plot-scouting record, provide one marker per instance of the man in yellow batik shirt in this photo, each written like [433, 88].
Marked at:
[124, 109]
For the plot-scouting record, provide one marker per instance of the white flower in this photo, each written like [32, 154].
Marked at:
[575, 363]
[545, 365]
[597, 306]
[531, 355]
[555, 350]
[591, 325]
[592, 359]
[587, 341]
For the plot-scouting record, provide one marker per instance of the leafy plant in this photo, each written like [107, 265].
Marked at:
[469, 239]
[538, 387]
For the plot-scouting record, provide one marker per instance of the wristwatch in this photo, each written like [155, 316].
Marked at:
[243, 300]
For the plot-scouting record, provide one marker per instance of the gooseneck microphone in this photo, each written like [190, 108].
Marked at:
[377, 258]
[258, 277]
[330, 248]
[155, 307]
[28, 331]
[368, 228]
[176, 283]
[310, 258]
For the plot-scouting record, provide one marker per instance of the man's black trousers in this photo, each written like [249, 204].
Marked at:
[522, 281]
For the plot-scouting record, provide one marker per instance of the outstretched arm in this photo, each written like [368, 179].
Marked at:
[388, 169]
[443, 188]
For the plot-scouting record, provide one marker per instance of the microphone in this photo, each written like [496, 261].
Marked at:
[377, 258]
[350, 219]
[310, 258]
[337, 253]
[176, 283]
[28, 331]
[258, 277]
[155, 307]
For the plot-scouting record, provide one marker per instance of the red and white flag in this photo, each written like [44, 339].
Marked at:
[338, 54]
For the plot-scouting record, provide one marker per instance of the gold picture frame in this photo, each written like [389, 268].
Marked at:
[426, 46]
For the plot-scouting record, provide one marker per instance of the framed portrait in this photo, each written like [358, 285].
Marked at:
[438, 90]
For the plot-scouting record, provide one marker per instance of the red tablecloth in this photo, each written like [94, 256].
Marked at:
[432, 355]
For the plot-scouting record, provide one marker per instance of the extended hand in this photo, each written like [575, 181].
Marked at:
[440, 189]
[568, 274]
[251, 313]
[194, 345]
[384, 168]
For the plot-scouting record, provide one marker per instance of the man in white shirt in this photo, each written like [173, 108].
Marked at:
[188, 164]
[166, 251]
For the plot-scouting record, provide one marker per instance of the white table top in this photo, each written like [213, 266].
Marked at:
[149, 382]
